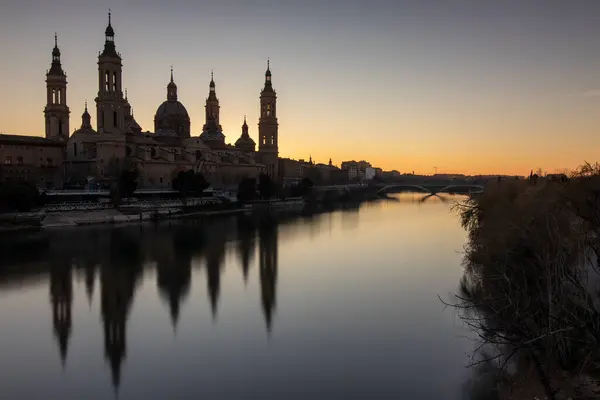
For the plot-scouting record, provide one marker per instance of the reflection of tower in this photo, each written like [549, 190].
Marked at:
[174, 277]
[214, 260]
[90, 279]
[118, 282]
[267, 232]
[61, 296]
[245, 244]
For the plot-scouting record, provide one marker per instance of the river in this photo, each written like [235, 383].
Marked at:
[336, 305]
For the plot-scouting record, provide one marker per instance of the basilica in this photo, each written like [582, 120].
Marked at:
[159, 155]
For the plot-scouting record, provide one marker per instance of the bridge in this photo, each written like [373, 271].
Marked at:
[434, 188]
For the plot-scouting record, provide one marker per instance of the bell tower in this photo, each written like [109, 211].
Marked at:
[56, 112]
[212, 106]
[268, 149]
[110, 104]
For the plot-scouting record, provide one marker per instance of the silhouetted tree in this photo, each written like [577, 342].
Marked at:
[20, 197]
[303, 188]
[190, 182]
[124, 179]
[266, 187]
[247, 189]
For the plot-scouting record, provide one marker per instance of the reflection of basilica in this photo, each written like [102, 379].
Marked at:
[267, 234]
[115, 259]
[174, 272]
[61, 297]
[246, 244]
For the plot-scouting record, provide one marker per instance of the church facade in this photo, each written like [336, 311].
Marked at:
[92, 155]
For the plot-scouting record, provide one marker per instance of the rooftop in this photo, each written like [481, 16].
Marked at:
[31, 140]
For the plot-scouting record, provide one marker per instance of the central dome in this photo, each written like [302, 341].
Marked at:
[172, 115]
[171, 109]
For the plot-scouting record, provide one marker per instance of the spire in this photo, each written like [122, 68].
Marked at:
[245, 127]
[172, 88]
[109, 44]
[212, 81]
[56, 67]
[245, 142]
[126, 94]
[310, 159]
[110, 33]
[268, 86]
[330, 163]
[86, 119]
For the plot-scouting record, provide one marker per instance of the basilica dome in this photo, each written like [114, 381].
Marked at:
[171, 114]
[171, 108]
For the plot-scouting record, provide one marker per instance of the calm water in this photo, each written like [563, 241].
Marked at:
[332, 306]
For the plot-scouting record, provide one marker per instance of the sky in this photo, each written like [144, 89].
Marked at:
[461, 86]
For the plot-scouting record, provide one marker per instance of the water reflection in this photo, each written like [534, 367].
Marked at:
[353, 292]
[61, 298]
[120, 255]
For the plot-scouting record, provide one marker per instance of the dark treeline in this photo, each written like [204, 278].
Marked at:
[531, 286]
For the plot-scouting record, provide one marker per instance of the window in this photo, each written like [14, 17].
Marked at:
[161, 179]
[114, 81]
[60, 127]
[8, 161]
[268, 110]
[49, 161]
[115, 118]
[106, 81]
[19, 160]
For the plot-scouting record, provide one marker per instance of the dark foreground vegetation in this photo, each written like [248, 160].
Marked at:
[531, 287]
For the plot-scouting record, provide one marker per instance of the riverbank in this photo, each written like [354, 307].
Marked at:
[531, 284]
[10, 223]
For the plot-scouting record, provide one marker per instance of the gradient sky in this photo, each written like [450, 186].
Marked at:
[468, 86]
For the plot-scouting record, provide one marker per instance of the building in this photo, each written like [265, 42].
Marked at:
[32, 159]
[93, 156]
[370, 173]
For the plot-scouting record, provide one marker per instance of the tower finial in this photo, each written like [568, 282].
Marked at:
[86, 105]
[212, 74]
[109, 16]
[244, 118]
[125, 94]
[268, 63]
[55, 40]
[171, 72]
